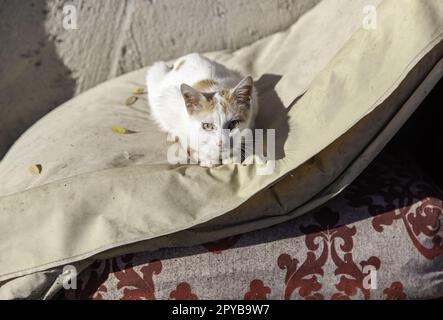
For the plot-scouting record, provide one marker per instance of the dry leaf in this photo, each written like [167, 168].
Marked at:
[131, 100]
[139, 91]
[36, 169]
[120, 130]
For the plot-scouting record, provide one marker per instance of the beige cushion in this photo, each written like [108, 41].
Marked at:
[89, 198]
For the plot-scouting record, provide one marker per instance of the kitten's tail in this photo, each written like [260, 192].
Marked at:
[156, 74]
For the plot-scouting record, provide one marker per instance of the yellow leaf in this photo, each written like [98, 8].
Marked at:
[120, 130]
[139, 91]
[36, 169]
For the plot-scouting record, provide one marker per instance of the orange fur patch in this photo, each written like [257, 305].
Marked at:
[228, 103]
[208, 105]
[228, 100]
[204, 85]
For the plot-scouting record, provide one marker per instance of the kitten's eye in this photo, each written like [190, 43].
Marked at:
[208, 126]
[233, 124]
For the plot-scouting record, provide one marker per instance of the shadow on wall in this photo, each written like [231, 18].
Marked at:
[34, 81]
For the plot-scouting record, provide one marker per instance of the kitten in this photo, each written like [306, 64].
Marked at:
[202, 99]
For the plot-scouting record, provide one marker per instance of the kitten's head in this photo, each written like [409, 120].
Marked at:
[216, 117]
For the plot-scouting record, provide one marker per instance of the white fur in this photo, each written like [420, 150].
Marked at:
[168, 107]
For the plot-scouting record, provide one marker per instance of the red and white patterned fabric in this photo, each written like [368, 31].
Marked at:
[380, 239]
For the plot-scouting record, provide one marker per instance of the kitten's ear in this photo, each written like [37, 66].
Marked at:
[192, 98]
[243, 92]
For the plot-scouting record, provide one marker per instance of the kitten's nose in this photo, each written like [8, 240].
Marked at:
[219, 144]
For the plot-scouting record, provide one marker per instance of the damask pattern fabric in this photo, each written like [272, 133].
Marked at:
[380, 239]
[338, 106]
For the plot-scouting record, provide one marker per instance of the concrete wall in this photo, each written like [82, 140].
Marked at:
[43, 65]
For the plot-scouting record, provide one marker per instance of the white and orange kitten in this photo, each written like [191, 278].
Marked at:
[201, 99]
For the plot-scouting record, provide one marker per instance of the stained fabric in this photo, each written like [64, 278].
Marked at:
[334, 91]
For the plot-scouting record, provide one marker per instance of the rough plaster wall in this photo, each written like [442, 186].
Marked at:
[117, 36]
[43, 65]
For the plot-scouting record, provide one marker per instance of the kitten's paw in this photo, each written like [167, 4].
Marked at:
[207, 164]
[232, 160]
[236, 160]
[171, 138]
